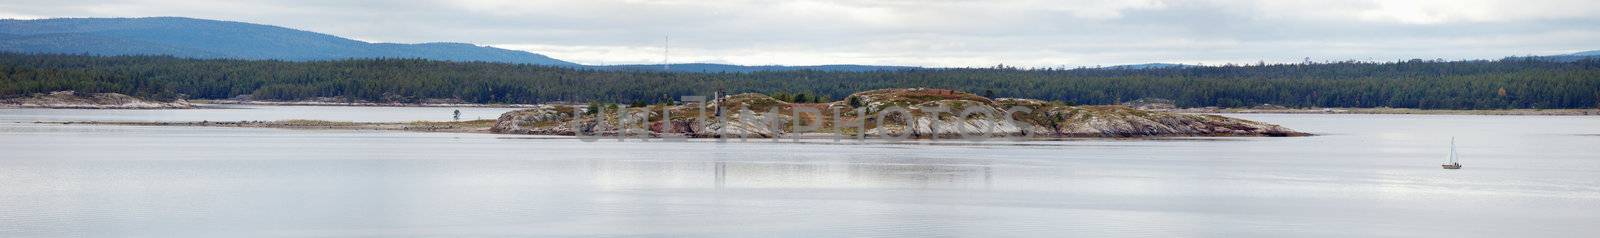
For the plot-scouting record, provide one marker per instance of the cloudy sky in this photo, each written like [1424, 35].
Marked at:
[940, 33]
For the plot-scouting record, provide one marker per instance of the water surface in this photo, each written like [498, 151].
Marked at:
[1366, 175]
[224, 112]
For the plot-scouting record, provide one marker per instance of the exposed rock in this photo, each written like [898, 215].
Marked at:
[1158, 104]
[543, 120]
[1122, 121]
[875, 100]
[921, 112]
[70, 99]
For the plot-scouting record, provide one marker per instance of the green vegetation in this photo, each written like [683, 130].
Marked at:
[484, 123]
[1509, 83]
[316, 123]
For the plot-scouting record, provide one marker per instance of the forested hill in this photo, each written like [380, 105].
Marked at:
[213, 39]
[1509, 83]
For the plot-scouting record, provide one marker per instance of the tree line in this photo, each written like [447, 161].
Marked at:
[1432, 84]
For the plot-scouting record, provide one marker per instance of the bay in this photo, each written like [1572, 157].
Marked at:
[1363, 175]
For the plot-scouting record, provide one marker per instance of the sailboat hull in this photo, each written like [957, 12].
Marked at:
[1451, 166]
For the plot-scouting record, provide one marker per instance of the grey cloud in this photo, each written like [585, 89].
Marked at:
[928, 33]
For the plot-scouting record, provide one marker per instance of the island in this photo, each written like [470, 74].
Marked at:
[75, 100]
[906, 112]
[910, 113]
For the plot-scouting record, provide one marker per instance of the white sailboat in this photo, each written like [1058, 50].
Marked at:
[1451, 162]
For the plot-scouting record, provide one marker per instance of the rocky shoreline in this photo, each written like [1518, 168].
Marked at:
[74, 100]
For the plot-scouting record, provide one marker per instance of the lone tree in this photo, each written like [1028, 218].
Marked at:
[594, 107]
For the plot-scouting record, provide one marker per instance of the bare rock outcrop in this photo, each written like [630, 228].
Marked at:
[921, 112]
[541, 120]
[70, 99]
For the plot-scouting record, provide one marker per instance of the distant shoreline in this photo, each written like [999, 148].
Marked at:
[1396, 111]
[358, 104]
[472, 126]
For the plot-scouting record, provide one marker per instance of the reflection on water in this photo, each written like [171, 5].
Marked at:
[1368, 176]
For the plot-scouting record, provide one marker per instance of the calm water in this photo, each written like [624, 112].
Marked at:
[1368, 175]
[256, 113]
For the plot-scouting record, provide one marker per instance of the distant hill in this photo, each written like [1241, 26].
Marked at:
[700, 67]
[213, 39]
[1586, 53]
[209, 39]
[1564, 57]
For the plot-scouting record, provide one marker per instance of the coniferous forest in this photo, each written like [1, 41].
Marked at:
[1476, 84]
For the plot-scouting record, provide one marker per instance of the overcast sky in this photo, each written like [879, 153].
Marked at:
[952, 33]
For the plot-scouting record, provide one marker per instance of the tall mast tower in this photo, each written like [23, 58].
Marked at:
[666, 49]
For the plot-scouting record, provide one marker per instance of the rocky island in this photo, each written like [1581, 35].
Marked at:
[75, 100]
[909, 112]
